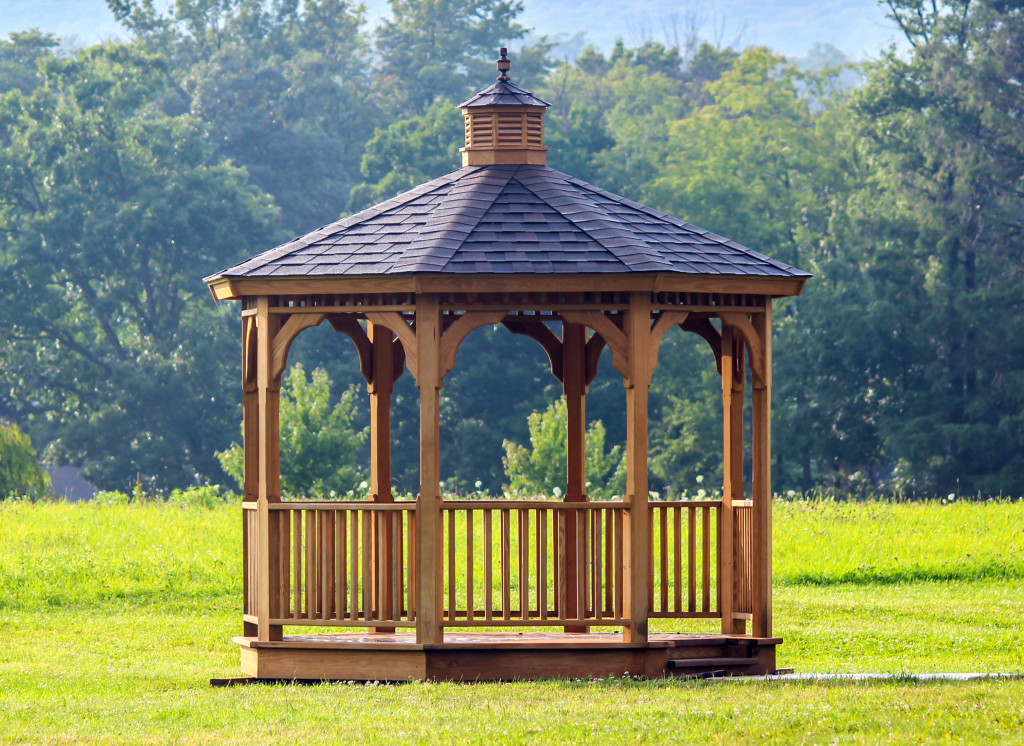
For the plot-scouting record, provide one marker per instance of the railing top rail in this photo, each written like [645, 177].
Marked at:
[338, 505]
[685, 503]
[528, 504]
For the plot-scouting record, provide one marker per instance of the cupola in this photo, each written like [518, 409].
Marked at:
[504, 124]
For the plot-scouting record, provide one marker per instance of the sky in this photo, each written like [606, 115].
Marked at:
[857, 27]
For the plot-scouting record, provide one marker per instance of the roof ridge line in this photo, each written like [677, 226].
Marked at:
[680, 223]
[301, 242]
[640, 243]
[458, 191]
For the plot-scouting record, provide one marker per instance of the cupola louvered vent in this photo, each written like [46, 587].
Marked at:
[504, 124]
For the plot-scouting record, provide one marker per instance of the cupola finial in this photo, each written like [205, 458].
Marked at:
[504, 64]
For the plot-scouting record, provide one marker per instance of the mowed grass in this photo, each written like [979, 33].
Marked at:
[115, 617]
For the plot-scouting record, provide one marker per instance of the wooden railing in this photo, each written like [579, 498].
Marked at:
[338, 564]
[513, 563]
[684, 558]
[504, 563]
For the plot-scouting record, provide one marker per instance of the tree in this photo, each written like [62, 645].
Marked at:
[441, 49]
[20, 473]
[321, 452]
[283, 86]
[540, 469]
[110, 211]
[409, 152]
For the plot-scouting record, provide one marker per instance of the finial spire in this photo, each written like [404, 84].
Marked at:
[503, 64]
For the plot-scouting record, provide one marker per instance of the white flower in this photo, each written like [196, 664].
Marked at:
[654, 495]
[557, 491]
[363, 485]
[700, 479]
[702, 493]
[952, 496]
[479, 484]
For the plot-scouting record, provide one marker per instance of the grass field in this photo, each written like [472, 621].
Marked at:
[115, 617]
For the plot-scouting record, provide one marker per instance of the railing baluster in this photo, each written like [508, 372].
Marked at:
[297, 561]
[353, 567]
[488, 570]
[326, 564]
[618, 563]
[451, 564]
[663, 523]
[506, 571]
[412, 565]
[469, 564]
[706, 514]
[542, 563]
[367, 569]
[692, 558]
[311, 564]
[595, 561]
[524, 560]
[580, 581]
[677, 556]
[609, 562]
[395, 565]
[339, 565]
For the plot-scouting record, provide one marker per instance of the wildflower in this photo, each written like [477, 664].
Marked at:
[557, 491]
[654, 495]
[700, 479]
[363, 485]
[478, 484]
[702, 493]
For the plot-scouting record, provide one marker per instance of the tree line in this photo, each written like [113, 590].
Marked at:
[219, 128]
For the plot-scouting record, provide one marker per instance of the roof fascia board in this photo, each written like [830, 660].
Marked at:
[480, 283]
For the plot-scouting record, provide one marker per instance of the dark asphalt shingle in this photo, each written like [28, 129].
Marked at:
[508, 220]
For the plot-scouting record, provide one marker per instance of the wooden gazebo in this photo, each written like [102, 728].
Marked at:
[502, 589]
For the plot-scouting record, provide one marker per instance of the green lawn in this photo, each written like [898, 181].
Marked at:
[115, 617]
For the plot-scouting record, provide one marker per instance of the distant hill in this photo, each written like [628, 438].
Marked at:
[858, 28]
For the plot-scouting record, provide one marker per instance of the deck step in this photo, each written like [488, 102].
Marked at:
[706, 662]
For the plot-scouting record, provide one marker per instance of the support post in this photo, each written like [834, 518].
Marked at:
[574, 338]
[268, 470]
[636, 539]
[761, 489]
[429, 588]
[732, 476]
[381, 387]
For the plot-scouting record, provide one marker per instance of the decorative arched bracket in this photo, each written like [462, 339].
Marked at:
[282, 341]
[405, 333]
[348, 325]
[703, 328]
[666, 320]
[458, 331]
[612, 335]
[740, 323]
[536, 330]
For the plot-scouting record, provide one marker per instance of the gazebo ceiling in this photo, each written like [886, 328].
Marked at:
[517, 217]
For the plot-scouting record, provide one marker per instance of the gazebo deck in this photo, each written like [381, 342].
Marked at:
[502, 656]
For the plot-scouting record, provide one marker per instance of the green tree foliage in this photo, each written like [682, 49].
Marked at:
[321, 452]
[20, 473]
[109, 209]
[283, 87]
[540, 469]
[441, 49]
[409, 152]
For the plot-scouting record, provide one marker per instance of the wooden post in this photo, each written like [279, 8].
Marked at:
[732, 476]
[381, 386]
[636, 534]
[574, 338]
[429, 585]
[251, 452]
[268, 471]
[761, 489]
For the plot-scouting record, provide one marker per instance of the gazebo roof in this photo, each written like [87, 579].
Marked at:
[506, 213]
[508, 219]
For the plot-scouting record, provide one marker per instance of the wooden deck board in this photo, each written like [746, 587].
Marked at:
[498, 655]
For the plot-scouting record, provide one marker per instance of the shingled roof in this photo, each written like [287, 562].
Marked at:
[518, 219]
